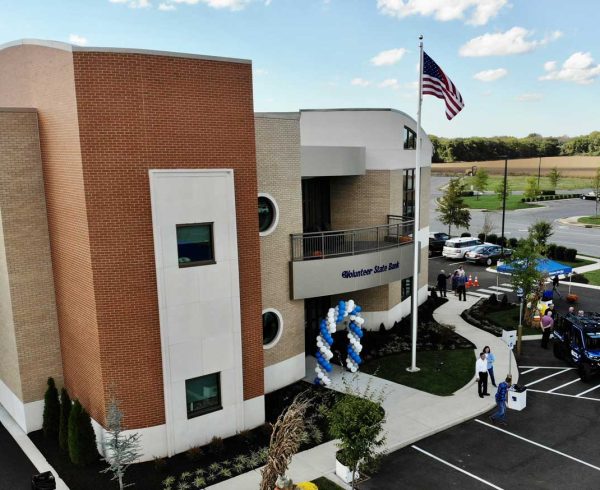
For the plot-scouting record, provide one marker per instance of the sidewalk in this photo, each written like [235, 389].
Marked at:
[573, 221]
[411, 414]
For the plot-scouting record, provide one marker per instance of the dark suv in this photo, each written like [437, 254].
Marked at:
[436, 243]
[577, 340]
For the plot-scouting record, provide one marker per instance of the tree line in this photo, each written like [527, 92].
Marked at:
[446, 150]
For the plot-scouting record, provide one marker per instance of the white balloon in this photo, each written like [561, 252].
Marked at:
[352, 318]
[359, 348]
[320, 375]
[349, 335]
[319, 344]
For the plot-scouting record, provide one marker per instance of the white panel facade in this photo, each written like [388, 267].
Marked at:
[381, 132]
[199, 306]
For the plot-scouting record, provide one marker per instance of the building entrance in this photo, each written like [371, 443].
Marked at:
[314, 311]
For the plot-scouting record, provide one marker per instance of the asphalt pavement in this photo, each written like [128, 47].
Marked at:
[585, 240]
[551, 444]
[15, 468]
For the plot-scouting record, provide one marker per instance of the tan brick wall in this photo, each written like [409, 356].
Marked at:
[27, 252]
[278, 172]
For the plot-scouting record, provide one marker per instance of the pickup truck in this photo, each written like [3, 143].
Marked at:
[436, 243]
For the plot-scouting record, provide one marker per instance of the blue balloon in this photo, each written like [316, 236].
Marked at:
[358, 309]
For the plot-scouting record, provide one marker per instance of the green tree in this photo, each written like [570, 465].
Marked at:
[554, 176]
[532, 190]
[539, 232]
[596, 185]
[500, 190]
[480, 181]
[73, 432]
[65, 411]
[82, 440]
[451, 206]
[51, 416]
[357, 421]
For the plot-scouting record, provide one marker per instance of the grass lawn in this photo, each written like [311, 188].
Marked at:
[590, 220]
[492, 203]
[577, 263]
[509, 320]
[593, 277]
[434, 377]
[519, 182]
[326, 484]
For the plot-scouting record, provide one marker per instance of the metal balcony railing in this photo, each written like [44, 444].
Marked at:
[328, 244]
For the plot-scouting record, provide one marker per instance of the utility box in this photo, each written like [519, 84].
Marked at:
[509, 337]
[517, 400]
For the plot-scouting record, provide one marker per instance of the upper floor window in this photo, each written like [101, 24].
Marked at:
[195, 244]
[408, 194]
[410, 139]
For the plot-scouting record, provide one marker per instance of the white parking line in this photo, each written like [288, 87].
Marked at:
[507, 285]
[587, 391]
[457, 468]
[545, 367]
[477, 295]
[549, 376]
[540, 445]
[529, 371]
[565, 394]
[562, 386]
[487, 291]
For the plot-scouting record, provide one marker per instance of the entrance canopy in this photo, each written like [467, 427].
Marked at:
[547, 266]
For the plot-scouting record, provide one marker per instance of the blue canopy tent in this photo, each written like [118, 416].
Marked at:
[547, 266]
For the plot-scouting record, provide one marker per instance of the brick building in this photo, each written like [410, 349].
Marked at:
[132, 262]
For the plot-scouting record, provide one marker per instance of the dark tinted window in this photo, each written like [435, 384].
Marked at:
[266, 213]
[203, 395]
[271, 327]
[195, 244]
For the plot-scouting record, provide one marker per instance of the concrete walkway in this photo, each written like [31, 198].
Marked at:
[574, 221]
[411, 414]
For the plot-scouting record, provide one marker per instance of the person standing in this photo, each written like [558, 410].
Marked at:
[441, 282]
[490, 358]
[555, 283]
[482, 375]
[547, 322]
[461, 281]
[455, 281]
[501, 399]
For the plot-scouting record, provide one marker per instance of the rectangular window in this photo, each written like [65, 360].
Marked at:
[195, 244]
[203, 395]
[410, 139]
[406, 288]
[408, 199]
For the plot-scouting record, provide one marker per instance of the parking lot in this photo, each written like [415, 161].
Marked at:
[551, 444]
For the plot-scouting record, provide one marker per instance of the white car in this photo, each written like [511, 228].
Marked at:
[456, 248]
[589, 195]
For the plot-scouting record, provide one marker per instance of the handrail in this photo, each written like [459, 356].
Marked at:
[328, 244]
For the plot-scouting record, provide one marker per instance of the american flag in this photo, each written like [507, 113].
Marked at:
[436, 83]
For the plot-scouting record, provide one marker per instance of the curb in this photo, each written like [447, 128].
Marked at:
[572, 221]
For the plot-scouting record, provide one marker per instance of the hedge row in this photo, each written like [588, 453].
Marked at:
[549, 197]
[553, 251]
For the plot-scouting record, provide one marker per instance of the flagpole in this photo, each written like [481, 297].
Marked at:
[416, 242]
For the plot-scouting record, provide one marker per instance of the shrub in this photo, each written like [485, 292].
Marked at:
[194, 453]
[548, 192]
[465, 234]
[51, 417]
[63, 429]
[481, 236]
[579, 278]
[160, 463]
[82, 440]
[560, 252]
[492, 238]
[504, 301]
[216, 446]
[571, 254]
[513, 242]
[523, 199]
[492, 300]
[501, 241]
[73, 431]
[551, 250]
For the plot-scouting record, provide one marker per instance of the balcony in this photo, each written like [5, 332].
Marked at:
[334, 262]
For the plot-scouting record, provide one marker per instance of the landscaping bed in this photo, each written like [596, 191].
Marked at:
[491, 202]
[494, 316]
[200, 466]
[326, 484]
[589, 220]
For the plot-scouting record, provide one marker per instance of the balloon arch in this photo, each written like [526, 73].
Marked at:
[344, 311]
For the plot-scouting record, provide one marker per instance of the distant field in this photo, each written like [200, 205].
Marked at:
[519, 182]
[578, 166]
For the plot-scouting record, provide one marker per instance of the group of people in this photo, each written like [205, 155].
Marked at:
[458, 282]
[484, 367]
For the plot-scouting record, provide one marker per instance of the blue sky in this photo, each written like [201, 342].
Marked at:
[521, 65]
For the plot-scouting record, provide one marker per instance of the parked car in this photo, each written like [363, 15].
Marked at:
[589, 196]
[456, 248]
[487, 254]
[436, 243]
[577, 340]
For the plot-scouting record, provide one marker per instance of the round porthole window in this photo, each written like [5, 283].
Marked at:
[268, 214]
[272, 327]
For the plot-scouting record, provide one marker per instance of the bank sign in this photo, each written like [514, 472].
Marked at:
[350, 274]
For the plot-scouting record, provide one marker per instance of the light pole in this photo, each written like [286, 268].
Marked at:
[539, 172]
[504, 200]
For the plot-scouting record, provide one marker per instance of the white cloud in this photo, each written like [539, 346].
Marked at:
[490, 75]
[77, 39]
[217, 4]
[530, 97]
[360, 82]
[389, 83]
[166, 7]
[512, 41]
[134, 4]
[477, 12]
[578, 68]
[389, 57]
[259, 72]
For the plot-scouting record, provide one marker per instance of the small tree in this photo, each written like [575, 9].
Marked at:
[51, 416]
[286, 438]
[539, 233]
[82, 440]
[596, 185]
[65, 411]
[554, 176]
[488, 226]
[480, 180]
[73, 432]
[120, 450]
[357, 421]
[532, 190]
[500, 190]
[451, 207]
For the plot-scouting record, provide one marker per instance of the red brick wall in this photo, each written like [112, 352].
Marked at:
[140, 112]
[40, 77]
